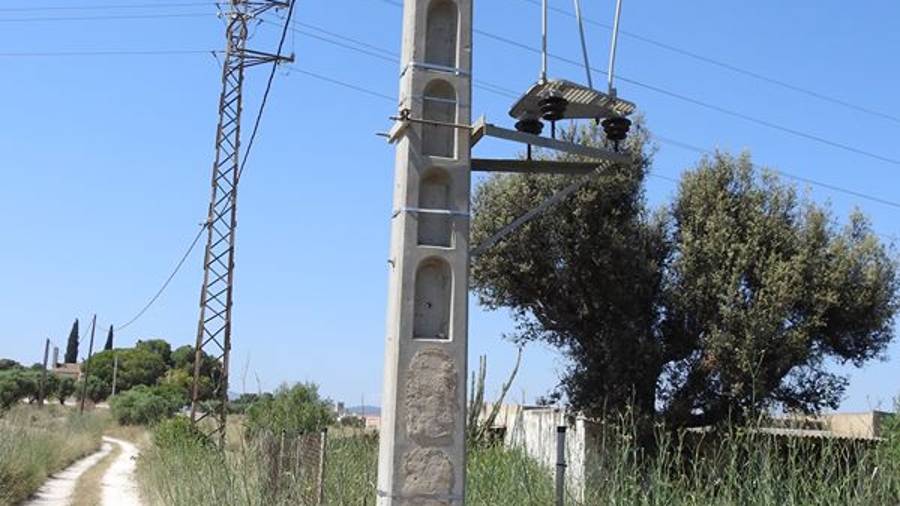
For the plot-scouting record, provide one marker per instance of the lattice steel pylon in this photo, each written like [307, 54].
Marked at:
[214, 325]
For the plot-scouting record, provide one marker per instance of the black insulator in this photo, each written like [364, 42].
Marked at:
[616, 128]
[553, 108]
[530, 126]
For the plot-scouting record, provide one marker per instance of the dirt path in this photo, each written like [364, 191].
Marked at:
[118, 486]
[57, 491]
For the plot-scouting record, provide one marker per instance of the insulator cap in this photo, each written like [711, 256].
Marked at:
[553, 108]
[530, 126]
[616, 128]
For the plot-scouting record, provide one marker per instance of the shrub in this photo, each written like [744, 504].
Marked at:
[293, 410]
[143, 405]
[177, 433]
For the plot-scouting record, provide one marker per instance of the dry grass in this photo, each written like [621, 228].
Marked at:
[36, 443]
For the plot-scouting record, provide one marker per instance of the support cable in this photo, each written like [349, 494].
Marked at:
[168, 280]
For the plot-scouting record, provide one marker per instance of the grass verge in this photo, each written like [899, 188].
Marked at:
[34, 443]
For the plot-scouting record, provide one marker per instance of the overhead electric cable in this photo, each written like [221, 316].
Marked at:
[107, 52]
[730, 67]
[103, 18]
[167, 281]
[384, 54]
[810, 181]
[802, 179]
[265, 98]
[696, 102]
[103, 7]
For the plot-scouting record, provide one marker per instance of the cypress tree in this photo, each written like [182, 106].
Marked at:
[72, 345]
[109, 340]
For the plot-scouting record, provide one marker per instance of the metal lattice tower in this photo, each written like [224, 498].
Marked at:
[214, 325]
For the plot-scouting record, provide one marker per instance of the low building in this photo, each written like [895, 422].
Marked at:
[67, 371]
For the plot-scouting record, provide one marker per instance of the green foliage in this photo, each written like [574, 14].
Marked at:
[178, 432]
[18, 384]
[143, 405]
[137, 366]
[297, 409]
[71, 356]
[159, 347]
[354, 422]
[8, 363]
[65, 387]
[728, 302]
[242, 403]
[97, 389]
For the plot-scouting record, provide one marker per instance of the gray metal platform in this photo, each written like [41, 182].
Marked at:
[584, 102]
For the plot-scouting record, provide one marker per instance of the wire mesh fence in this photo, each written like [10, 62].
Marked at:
[293, 466]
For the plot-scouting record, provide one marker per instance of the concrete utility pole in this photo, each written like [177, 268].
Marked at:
[422, 441]
[87, 363]
[214, 325]
[43, 388]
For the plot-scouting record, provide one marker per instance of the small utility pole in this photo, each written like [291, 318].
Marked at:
[87, 363]
[115, 373]
[44, 374]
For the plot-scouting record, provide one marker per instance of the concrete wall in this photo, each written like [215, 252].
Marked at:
[533, 429]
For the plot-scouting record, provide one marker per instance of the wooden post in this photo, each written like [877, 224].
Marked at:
[87, 363]
[323, 446]
[115, 373]
[43, 389]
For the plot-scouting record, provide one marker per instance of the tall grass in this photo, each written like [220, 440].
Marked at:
[733, 467]
[36, 443]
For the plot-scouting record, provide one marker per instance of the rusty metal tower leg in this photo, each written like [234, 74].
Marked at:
[214, 325]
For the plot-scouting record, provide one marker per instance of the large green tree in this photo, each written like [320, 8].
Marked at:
[731, 300]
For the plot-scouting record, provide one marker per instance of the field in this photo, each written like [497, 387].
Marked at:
[35, 443]
[738, 467]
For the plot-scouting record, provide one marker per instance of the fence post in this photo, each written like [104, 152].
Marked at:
[323, 446]
[560, 465]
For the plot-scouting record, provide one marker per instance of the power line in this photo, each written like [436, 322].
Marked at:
[666, 140]
[111, 17]
[102, 6]
[733, 68]
[385, 54]
[697, 102]
[168, 280]
[802, 179]
[108, 52]
[265, 97]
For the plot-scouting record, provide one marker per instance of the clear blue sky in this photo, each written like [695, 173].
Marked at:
[106, 161]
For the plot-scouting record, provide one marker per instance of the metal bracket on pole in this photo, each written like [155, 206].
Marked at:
[603, 159]
[482, 128]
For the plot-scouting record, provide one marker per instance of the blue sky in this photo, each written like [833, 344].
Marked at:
[106, 161]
